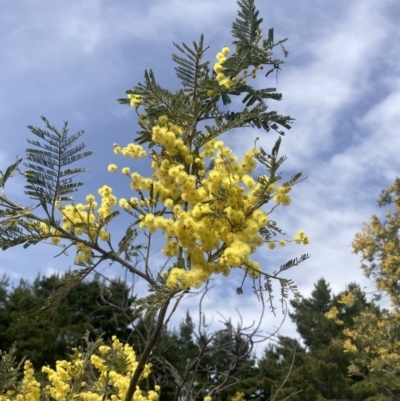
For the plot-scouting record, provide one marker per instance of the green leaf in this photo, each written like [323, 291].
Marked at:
[247, 25]
[67, 285]
[10, 371]
[151, 304]
[108, 218]
[48, 179]
[127, 239]
[9, 172]
[190, 70]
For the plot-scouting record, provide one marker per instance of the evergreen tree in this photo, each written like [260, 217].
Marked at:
[4, 318]
[277, 367]
[171, 359]
[315, 330]
[188, 365]
[319, 371]
[93, 306]
[230, 360]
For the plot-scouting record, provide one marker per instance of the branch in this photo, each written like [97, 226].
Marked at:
[287, 376]
[154, 339]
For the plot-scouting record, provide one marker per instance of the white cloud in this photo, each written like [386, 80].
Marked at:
[49, 35]
[51, 271]
[335, 80]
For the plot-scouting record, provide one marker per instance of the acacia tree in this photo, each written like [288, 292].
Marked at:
[323, 368]
[373, 342]
[209, 205]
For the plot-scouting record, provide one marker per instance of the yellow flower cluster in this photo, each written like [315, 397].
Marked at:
[282, 196]
[332, 314]
[348, 346]
[301, 238]
[71, 379]
[374, 341]
[84, 219]
[166, 135]
[214, 217]
[134, 100]
[117, 379]
[239, 396]
[348, 299]
[45, 229]
[108, 200]
[230, 82]
[218, 68]
[131, 150]
[60, 380]
[84, 215]
[30, 388]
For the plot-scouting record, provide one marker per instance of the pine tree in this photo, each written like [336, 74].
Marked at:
[315, 330]
[319, 371]
[86, 308]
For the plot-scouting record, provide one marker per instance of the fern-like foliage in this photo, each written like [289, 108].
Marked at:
[159, 101]
[250, 48]
[286, 285]
[49, 178]
[190, 68]
[272, 162]
[9, 370]
[13, 235]
[69, 282]
[159, 296]
[247, 26]
[10, 171]
[203, 99]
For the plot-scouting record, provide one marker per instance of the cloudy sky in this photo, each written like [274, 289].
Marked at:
[72, 60]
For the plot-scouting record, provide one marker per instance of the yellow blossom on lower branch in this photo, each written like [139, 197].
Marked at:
[348, 299]
[72, 379]
[239, 396]
[348, 346]
[30, 389]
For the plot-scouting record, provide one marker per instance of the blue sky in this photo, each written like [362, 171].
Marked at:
[341, 83]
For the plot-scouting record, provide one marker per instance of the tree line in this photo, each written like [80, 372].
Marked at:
[312, 366]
